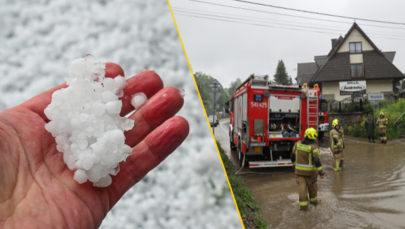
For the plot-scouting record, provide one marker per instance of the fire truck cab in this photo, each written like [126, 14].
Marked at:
[268, 119]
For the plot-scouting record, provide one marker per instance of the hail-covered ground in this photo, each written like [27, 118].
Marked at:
[39, 39]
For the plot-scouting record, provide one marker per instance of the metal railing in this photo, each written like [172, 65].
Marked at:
[396, 121]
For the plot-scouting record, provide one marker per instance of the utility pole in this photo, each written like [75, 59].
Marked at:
[214, 85]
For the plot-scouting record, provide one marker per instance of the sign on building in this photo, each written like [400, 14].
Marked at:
[375, 96]
[352, 87]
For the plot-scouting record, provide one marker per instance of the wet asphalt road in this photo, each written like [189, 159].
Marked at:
[368, 193]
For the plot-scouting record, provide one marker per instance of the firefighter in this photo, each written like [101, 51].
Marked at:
[382, 123]
[336, 145]
[369, 127]
[341, 132]
[307, 161]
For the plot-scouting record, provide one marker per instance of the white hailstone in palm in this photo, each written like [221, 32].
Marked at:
[85, 121]
[138, 99]
[121, 83]
[182, 93]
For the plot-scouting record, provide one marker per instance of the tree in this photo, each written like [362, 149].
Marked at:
[281, 76]
[203, 80]
[233, 85]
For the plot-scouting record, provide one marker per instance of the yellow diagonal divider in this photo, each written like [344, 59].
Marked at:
[213, 137]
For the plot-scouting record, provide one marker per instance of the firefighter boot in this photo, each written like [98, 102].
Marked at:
[303, 208]
[316, 202]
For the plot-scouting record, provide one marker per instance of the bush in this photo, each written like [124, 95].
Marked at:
[391, 111]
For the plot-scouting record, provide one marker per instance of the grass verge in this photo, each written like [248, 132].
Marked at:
[249, 210]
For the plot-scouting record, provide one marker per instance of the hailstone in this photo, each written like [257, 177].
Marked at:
[85, 121]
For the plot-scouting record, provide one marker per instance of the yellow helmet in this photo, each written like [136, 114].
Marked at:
[311, 133]
[335, 122]
[381, 113]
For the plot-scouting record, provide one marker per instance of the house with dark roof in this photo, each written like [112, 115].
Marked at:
[354, 58]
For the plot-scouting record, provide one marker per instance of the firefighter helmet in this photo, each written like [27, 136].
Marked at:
[382, 113]
[335, 123]
[311, 133]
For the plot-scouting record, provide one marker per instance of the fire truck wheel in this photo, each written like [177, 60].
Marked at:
[240, 155]
[320, 135]
[232, 145]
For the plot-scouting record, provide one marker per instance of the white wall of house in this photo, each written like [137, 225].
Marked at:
[355, 36]
[379, 86]
[331, 89]
[356, 58]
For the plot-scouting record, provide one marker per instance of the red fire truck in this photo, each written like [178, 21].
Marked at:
[323, 126]
[267, 119]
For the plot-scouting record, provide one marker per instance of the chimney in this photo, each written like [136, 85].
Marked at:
[334, 43]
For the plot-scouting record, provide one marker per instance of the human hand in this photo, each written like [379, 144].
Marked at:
[37, 189]
[321, 176]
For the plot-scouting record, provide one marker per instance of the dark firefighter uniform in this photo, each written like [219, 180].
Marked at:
[306, 158]
[382, 123]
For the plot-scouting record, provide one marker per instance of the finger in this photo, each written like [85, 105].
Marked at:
[148, 154]
[147, 82]
[113, 70]
[38, 103]
[163, 105]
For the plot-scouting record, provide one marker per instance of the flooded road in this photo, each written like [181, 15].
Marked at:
[368, 193]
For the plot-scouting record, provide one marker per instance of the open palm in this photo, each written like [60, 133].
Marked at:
[37, 189]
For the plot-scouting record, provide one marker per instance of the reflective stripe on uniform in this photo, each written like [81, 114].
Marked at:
[313, 199]
[335, 136]
[304, 148]
[304, 203]
[319, 168]
[305, 167]
[316, 151]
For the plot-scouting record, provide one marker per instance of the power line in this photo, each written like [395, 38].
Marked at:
[237, 17]
[300, 27]
[270, 26]
[311, 12]
[289, 15]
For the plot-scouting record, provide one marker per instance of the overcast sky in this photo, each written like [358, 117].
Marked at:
[228, 50]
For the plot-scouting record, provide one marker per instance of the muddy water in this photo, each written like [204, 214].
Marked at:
[368, 193]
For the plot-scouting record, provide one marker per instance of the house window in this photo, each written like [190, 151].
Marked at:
[355, 47]
[356, 70]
